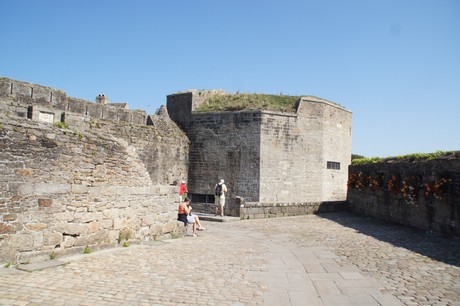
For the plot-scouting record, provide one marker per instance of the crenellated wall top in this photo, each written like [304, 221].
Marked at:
[34, 95]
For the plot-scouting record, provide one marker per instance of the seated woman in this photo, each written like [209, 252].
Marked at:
[194, 218]
[185, 215]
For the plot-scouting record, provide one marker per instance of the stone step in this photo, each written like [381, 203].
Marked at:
[40, 265]
[214, 218]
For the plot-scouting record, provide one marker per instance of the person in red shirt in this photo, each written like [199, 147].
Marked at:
[182, 191]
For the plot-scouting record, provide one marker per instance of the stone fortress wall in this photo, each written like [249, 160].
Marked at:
[101, 179]
[274, 164]
[422, 194]
[77, 174]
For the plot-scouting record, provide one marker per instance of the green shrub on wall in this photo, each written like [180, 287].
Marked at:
[361, 160]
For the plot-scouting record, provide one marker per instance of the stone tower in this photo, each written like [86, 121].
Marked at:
[270, 159]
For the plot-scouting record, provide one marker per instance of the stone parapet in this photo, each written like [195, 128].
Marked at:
[38, 95]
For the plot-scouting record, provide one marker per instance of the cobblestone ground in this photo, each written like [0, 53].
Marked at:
[224, 264]
[416, 267]
[211, 269]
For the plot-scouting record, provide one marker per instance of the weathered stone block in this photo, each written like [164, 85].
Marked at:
[6, 228]
[10, 217]
[72, 229]
[52, 239]
[112, 235]
[122, 204]
[106, 224]
[171, 226]
[120, 223]
[22, 242]
[42, 203]
[50, 188]
[85, 217]
[22, 189]
[129, 212]
[24, 172]
[148, 220]
[156, 230]
[95, 191]
[93, 227]
[36, 226]
[109, 191]
[69, 241]
[100, 236]
[144, 232]
[111, 213]
[138, 191]
[66, 216]
[79, 189]
[7, 251]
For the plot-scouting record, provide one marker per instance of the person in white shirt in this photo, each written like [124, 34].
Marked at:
[219, 195]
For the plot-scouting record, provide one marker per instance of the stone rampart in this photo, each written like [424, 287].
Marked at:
[63, 190]
[37, 95]
[421, 194]
[32, 93]
[70, 181]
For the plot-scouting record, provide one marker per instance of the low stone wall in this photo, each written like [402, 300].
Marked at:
[253, 210]
[63, 190]
[420, 194]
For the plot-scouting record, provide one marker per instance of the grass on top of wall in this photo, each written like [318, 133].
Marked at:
[244, 101]
[361, 160]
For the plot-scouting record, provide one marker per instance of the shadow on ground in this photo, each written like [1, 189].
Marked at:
[429, 244]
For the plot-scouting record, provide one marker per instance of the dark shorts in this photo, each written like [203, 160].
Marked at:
[182, 217]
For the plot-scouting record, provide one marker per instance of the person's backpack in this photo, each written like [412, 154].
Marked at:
[218, 192]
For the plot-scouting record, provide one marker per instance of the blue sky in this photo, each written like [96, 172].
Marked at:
[395, 63]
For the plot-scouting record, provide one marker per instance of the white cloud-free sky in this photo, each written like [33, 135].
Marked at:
[395, 64]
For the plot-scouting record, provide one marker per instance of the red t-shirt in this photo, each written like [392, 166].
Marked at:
[183, 188]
